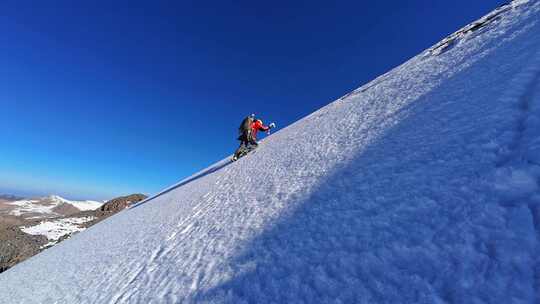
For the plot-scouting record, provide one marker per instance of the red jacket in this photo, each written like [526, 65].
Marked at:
[256, 126]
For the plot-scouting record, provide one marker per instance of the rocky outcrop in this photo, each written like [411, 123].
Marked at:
[65, 209]
[120, 203]
[111, 207]
[16, 246]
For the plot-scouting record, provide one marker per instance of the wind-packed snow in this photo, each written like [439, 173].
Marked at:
[419, 187]
[54, 230]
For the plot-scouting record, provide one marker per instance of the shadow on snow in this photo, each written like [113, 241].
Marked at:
[403, 222]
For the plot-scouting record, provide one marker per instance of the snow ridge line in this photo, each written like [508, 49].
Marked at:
[477, 26]
[444, 45]
[474, 29]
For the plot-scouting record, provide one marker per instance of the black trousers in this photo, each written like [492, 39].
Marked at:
[247, 143]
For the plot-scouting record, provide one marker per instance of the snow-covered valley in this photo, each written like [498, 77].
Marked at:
[55, 229]
[428, 192]
[45, 207]
[28, 226]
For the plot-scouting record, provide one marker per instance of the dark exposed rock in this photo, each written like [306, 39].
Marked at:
[121, 203]
[66, 209]
[111, 207]
[16, 246]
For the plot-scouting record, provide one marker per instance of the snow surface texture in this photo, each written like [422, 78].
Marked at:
[427, 193]
[54, 230]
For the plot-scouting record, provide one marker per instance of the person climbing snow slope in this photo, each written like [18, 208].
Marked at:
[248, 135]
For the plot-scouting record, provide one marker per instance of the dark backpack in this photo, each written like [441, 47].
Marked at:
[245, 125]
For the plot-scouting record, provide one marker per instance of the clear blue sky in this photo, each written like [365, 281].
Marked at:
[99, 99]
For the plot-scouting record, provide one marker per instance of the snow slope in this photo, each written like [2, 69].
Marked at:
[429, 193]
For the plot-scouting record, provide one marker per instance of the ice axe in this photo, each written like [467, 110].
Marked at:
[270, 127]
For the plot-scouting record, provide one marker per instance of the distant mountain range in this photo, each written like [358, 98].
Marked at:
[10, 197]
[28, 226]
